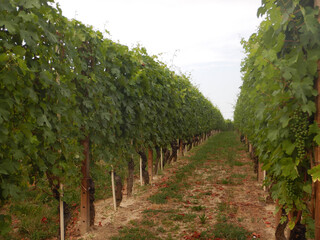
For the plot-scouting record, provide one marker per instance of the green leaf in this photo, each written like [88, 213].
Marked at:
[30, 37]
[317, 139]
[46, 78]
[116, 72]
[260, 110]
[3, 171]
[284, 120]
[283, 219]
[272, 135]
[18, 154]
[315, 173]
[261, 11]
[310, 107]
[291, 224]
[42, 120]
[287, 75]
[288, 147]
[314, 129]
[307, 188]
[288, 168]
[31, 3]
[28, 17]
[18, 50]
[22, 65]
[4, 57]
[4, 113]
[9, 189]
[9, 25]
[32, 94]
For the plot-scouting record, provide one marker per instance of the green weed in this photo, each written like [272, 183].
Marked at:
[161, 230]
[157, 211]
[135, 234]
[182, 217]
[224, 210]
[36, 221]
[148, 223]
[238, 163]
[230, 231]
[203, 218]
[198, 208]
[159, 198]
[226, 182]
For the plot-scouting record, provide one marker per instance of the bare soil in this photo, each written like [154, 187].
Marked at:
[211, 184]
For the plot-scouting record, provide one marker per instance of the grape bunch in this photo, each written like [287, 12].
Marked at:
[299, 127]
[292, 188]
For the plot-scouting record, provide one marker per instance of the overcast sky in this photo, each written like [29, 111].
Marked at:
[200, 37]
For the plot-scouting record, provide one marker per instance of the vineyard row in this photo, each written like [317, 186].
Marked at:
[278, 111]
[69, 96]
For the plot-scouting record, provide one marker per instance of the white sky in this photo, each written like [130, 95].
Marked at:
[201, 37]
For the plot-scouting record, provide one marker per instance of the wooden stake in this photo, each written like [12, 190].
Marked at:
[264, 178]
[260, 176]
[161, 159]
[250, 148]
[317, 162]
[181, 147]
[150, 164]
[178, 151]
[113, 190]
[317, 148]
[141, 179]
[61, 213]
[278, 214]
[85, 201]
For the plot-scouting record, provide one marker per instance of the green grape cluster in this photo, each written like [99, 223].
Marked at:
[292, 188]
[299, 127]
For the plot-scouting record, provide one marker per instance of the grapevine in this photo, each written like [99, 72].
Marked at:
[62, 82]
[277, 102]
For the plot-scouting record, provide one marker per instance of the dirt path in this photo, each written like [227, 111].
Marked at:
[221, 195]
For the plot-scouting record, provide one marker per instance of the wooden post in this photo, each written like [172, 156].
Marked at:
[141, 179]
[278, 214]
[260, 173]
[85, 201]
[264, 178]
[61, 213]
[161, 159]
[181, 147]
[150, 164]
[317, 148]
[113, 190]
[178, 150]
[250, 148]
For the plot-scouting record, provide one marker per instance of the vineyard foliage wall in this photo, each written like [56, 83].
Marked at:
[276, 107]
[62, 81]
